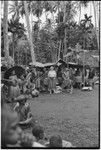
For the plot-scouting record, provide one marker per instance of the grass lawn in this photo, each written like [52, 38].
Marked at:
[75, 117]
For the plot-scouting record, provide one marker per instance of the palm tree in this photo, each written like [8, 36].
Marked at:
[86, 28]
[14, 8]
[17, 30]
[60, 42]
[23, 8]
[85, 4]
[65, 15]
[5, 30]
[29, 31]
[82, 4]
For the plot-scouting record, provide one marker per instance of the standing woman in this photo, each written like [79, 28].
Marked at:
[52, 79]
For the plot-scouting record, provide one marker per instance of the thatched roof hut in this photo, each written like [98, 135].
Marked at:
[91, 58]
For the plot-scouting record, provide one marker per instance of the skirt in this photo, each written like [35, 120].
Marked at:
[52, 83]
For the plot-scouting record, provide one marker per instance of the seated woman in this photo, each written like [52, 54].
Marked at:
[33, 90]
[38, 81]
[79, 78]
[67, 82]
[14, 93]
[23, 109]
[59, 76]
[13, 90]
[44, 80]
[92, 78]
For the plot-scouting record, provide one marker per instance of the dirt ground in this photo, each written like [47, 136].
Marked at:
[75, 117]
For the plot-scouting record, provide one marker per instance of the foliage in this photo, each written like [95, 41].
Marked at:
[85, 31]
[46, 40]
[44, 45]
[16, 28]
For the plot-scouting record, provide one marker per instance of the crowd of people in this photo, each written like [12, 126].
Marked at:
[15, 107]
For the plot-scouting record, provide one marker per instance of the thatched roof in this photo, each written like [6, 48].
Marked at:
[41, 65]
[91, 58]
[36, 64]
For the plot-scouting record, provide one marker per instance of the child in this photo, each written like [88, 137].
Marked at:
[38, 133]
[55, 141]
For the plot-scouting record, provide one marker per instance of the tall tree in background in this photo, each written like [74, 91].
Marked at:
[65, 15]
[29, 32]
[15, 17]
[82, 4]
[17, 31]
[96, 17]
[86, 29]
[5, 30]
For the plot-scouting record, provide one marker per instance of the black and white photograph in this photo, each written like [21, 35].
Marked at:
[50, 74]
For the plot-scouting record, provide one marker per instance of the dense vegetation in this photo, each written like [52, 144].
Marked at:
[53, 38]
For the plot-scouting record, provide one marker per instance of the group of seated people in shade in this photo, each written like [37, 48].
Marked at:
[51, 80]
[48, 80]
[35, 81]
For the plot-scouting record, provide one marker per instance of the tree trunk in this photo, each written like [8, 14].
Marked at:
[53, 18]
[19, 57]
[94, 5]
[84, 42]
[80, 15]
[60, 39]
[65, 44]
[59, 49]
[46, 16]
[5, 30]
[13, 45]
[29, 32]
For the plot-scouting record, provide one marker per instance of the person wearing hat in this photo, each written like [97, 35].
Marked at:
[52, 79]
